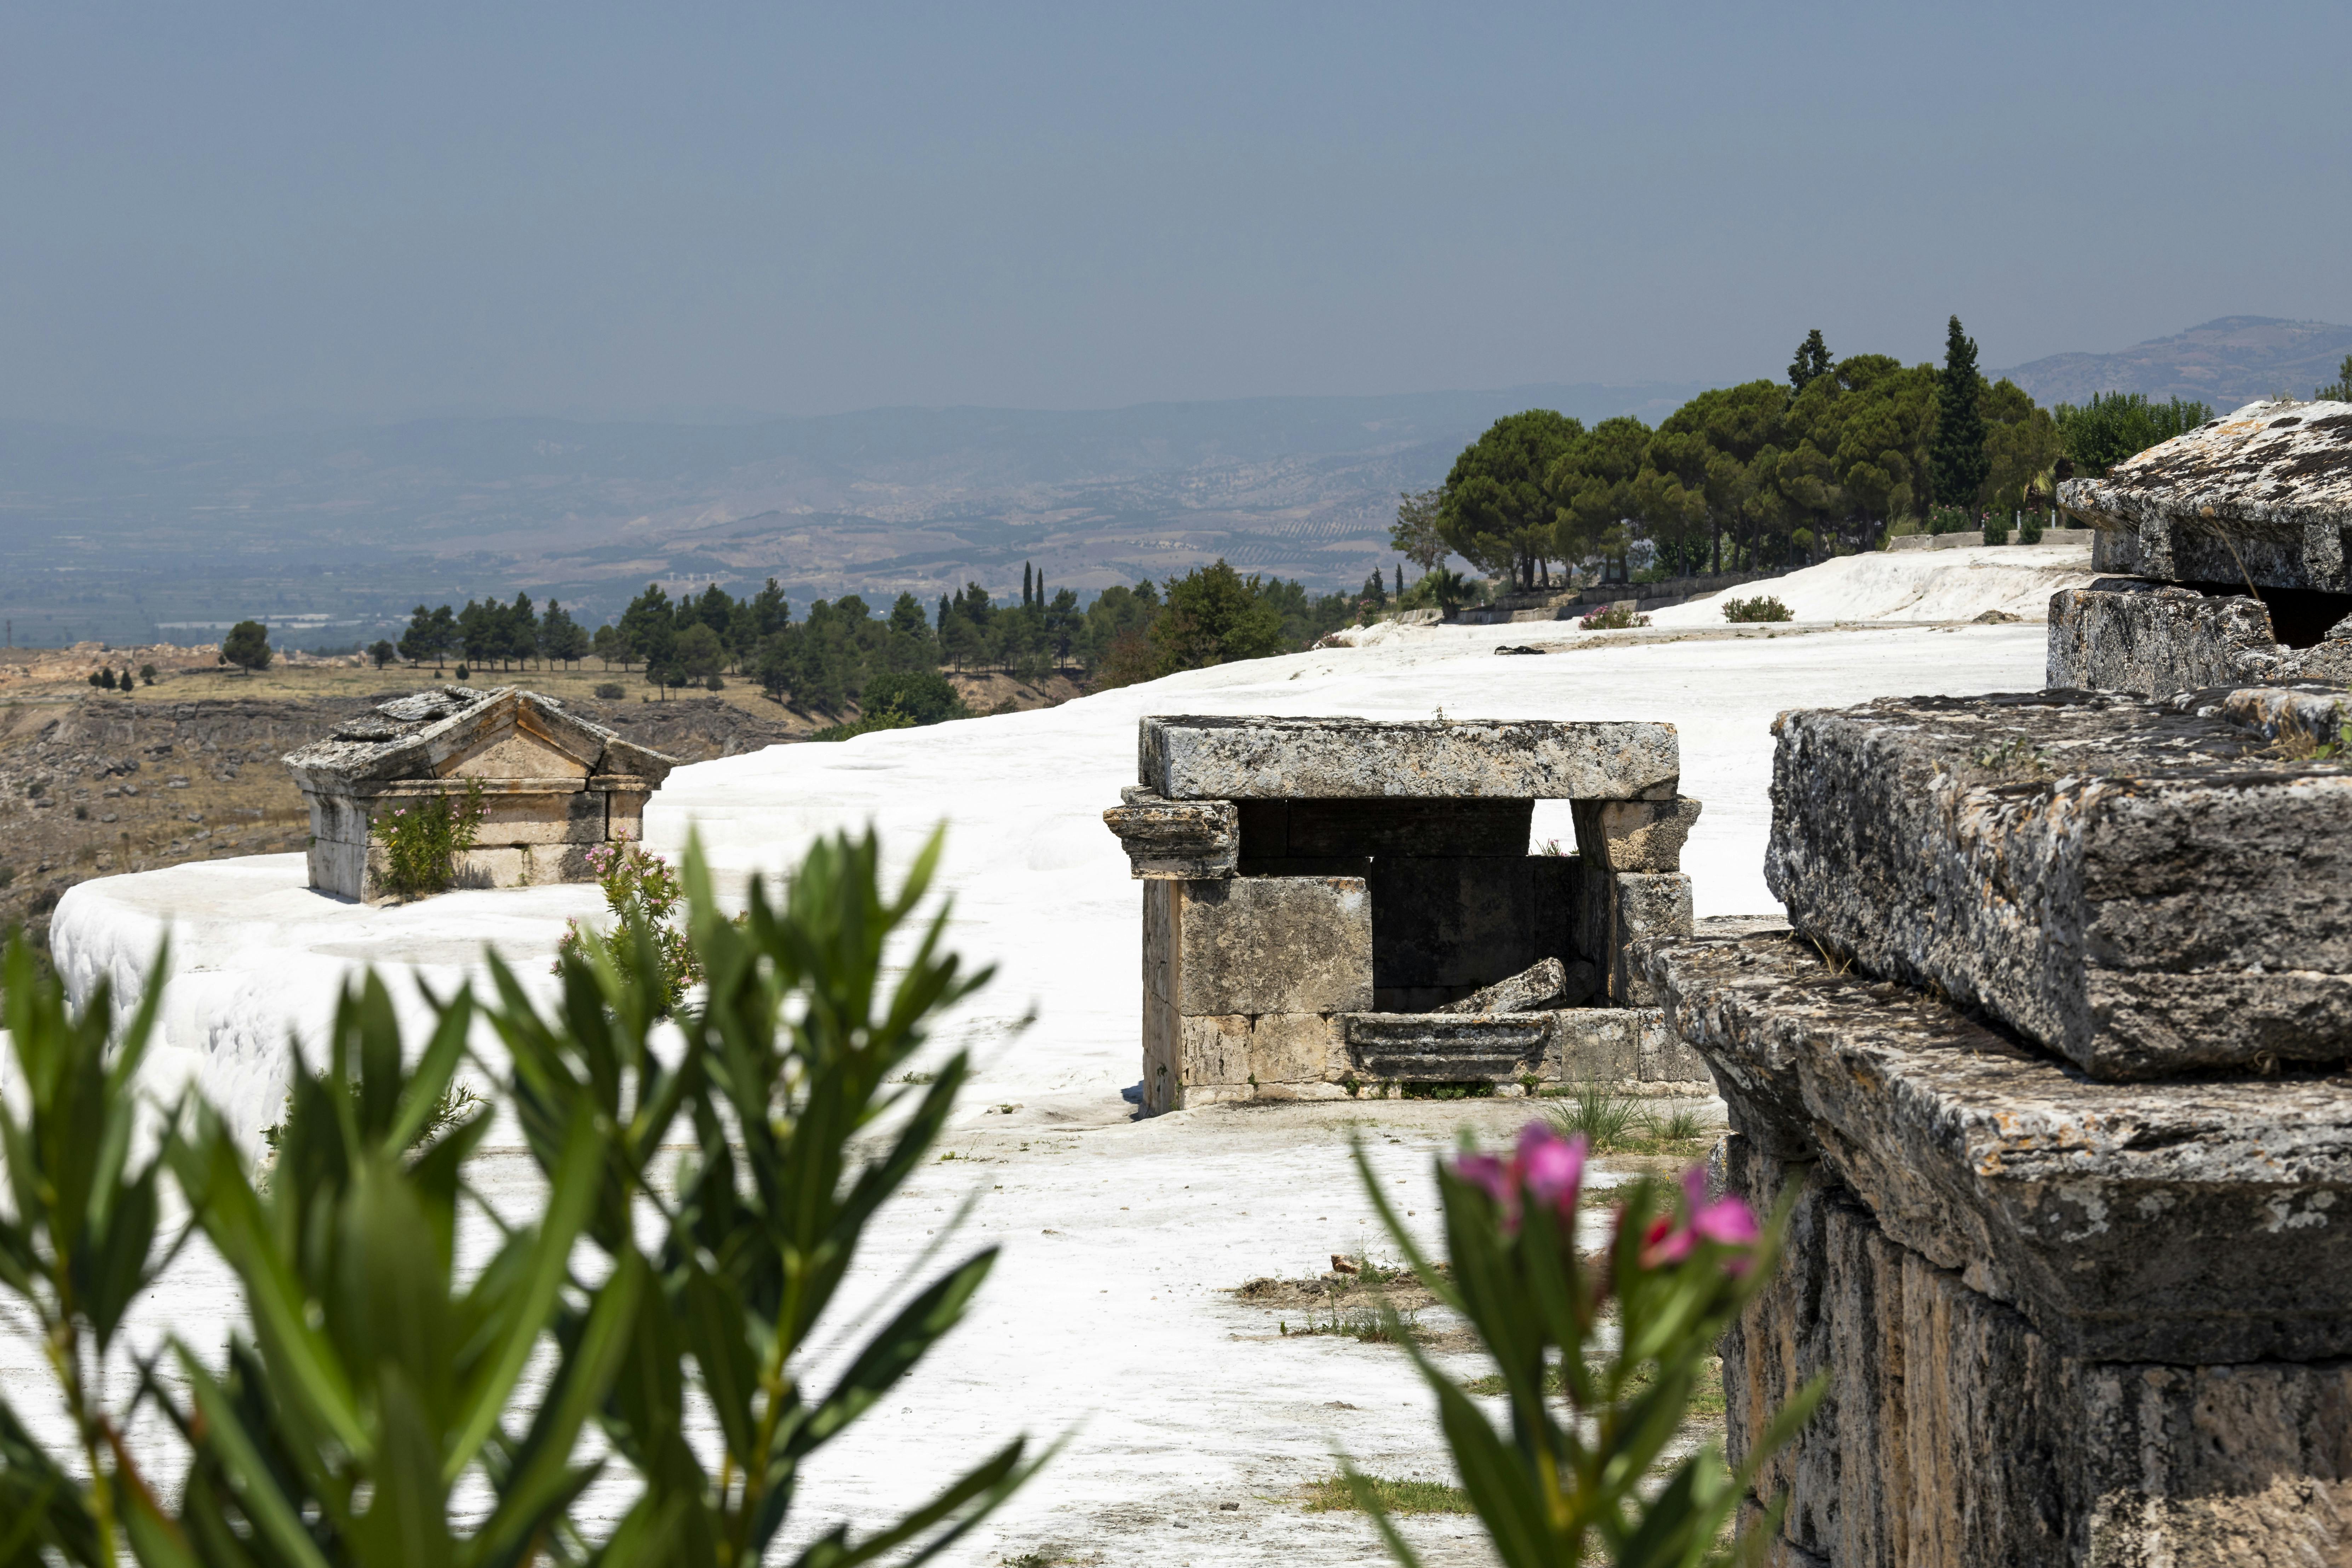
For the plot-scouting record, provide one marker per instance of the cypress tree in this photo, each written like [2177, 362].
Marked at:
[1813, 361]
[1958, 463]
[1399, 579]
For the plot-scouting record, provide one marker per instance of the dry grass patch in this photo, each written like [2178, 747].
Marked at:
[1333, 1495]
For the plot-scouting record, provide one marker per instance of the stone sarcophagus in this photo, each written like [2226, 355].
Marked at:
[2053, 1069]
[551, 787]
[2229, 549]
[1336, 906]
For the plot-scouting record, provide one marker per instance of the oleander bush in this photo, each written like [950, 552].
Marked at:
[391, 1394]
[1572, 1476]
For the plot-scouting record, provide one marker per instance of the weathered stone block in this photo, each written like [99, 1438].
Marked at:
[2264, 493]
[2124, 634]
[2190, 1221]
[1272, 944]
[1213, 1050]
[1163, 1086]
[1643, 907]
[1953, 1433]
[1595, 1044]
[1665, 1057]
[1533, 989]
[1447, 1048]
[2143, 887]
[1176, 840]
[1293, 1049]
[1633, 835]
[1216, 758]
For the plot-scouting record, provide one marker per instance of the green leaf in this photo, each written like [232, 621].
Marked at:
[569, 1203]
[256, 1486]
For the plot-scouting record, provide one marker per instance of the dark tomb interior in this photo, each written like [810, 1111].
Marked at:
[1457, 901]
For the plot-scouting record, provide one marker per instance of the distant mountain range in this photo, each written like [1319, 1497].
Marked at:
[2228, 362]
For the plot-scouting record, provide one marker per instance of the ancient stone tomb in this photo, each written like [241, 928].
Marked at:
[2053, 1069]
[1338, 907]
[553, 787]
[2228, 546]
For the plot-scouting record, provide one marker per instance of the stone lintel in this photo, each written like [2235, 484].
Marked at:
[1182, 840]
[2144, 887]
[1183, 757]
[2186, 1222]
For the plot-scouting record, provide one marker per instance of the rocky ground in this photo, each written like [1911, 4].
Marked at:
[93, 783]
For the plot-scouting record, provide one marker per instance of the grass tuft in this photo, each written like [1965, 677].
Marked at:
[1332, 1495]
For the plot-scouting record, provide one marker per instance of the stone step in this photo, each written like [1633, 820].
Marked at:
[2192, 1221]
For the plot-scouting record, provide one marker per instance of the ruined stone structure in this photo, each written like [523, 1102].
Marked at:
[2055, 1066]
[2230, 543]
[553, 787]
[1338, 907]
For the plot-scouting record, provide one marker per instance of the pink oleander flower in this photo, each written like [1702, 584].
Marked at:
[1546, 1170]
[1726, 1222]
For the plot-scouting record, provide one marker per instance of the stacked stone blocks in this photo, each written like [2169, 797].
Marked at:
[2055, 1076]
[1326, 902]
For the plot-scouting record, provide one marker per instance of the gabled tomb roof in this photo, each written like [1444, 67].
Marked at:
[419, 735]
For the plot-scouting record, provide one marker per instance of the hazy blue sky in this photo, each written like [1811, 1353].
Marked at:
[227, 213]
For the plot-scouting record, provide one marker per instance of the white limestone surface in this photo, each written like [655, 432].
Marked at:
[1110, 1314]
[1911, 585]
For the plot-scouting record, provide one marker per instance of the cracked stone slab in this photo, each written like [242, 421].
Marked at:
[1183, 757]
[2263, 494]
[2143, 887]
[1531, 989]
[2191, 1222]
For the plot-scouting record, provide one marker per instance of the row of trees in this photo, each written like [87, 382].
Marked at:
[827, 659]
[491, 633]
[1763, 473]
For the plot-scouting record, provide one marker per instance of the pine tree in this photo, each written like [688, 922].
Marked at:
[1956, 460]
[2340, 389]
[1813, 361]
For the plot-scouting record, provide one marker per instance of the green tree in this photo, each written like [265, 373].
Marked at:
[1956, 460]
[1416, 535]
[246, 646]
[381, 652]
[2340, 389]
[432, 635]
[1591, 483]
[1496, 512]
[700, 654]
[2114, 425]
[562, 639]
[923, 695]
[1213, 616]
[648, 628]
[1813, 362]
